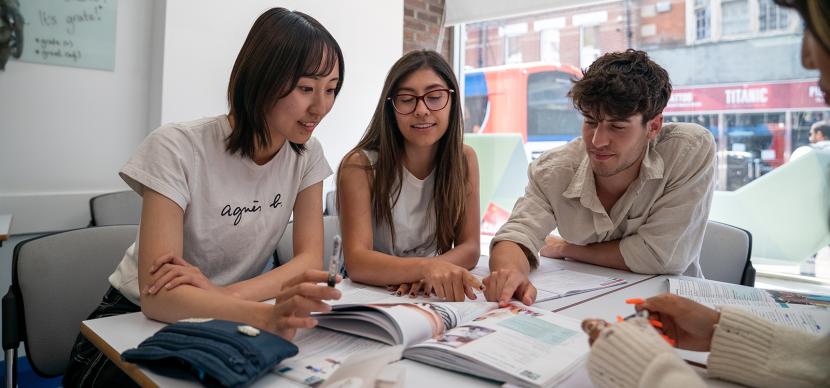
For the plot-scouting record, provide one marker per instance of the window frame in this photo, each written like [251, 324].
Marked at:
[715, 13]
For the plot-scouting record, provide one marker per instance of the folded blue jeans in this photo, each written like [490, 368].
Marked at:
[216, 352]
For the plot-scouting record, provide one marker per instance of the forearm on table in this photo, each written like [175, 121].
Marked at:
[606, 254]
[464, 255]
[509, 255]
[267, 285]
[380, 269]
[187, 301]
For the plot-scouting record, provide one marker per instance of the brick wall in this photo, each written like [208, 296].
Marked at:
[421, 26]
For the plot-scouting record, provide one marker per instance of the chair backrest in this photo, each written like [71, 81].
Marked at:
[285, 248]
[118, 208]
[725, 254]
[330, 203]
[61, 279]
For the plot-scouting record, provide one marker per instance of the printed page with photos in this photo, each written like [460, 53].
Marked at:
[519, 345]
[808, 312]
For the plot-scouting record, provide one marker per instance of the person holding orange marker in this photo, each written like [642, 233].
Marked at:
[743, 347]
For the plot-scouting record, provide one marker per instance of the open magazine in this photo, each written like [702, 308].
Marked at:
[553, 282]
[517, 344]
[808, 312]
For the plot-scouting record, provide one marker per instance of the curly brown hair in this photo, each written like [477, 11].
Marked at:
[622, 84]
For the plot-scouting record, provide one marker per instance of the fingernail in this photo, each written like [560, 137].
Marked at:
[167, 286]
[634, 301]
[151, 290]
[589, 327]
[620, 319]
[656, 323]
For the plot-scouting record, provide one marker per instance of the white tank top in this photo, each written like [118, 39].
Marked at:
[412, 216]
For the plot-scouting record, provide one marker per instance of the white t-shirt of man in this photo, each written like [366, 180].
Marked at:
[235, 211]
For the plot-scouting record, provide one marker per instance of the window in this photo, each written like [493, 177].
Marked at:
[513, 50]
[734, 17]
[702, 20]
[771, 17]
[513, 34]
[725, 59]
[549, 45]
[550, 114]
[589, 45]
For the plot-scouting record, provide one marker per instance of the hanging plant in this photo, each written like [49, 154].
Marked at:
[11, 31]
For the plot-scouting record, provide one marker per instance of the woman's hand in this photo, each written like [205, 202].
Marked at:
[689, 323]
[170, 271]
[449, 281]
[298, 298]
[415, 289]
[593, 327]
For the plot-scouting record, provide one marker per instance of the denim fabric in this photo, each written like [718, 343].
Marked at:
[88, 366]
[215, 352]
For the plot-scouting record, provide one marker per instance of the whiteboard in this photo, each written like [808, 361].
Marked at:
[79, 33]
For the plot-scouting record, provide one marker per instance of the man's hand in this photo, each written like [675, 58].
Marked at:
[554, 247]
[504, 284]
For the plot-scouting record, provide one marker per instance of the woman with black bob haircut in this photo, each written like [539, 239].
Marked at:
[218, 194]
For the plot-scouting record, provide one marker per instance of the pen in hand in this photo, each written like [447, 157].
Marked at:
[334, 261]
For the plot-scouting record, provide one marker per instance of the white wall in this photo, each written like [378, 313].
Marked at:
[65, 132]
[199, 56]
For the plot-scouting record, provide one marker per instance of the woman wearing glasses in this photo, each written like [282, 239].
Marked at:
[408, 192]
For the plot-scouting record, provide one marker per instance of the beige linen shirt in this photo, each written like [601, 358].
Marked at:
[659, 220]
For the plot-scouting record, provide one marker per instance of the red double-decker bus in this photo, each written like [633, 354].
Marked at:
[530, 99]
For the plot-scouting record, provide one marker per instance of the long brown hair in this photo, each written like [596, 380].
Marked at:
[281, 47]
[384, 137]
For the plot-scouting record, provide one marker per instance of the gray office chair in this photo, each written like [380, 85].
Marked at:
[285, 248]
[725, 254]
[330, 208]
[118, 208]
[57, 281]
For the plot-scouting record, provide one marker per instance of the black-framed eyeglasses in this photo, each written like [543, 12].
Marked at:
[434, 100]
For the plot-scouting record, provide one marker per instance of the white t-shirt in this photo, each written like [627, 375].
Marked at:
[412, 216]
[235, 211]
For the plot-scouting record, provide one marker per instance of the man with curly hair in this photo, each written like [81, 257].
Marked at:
[630, 193]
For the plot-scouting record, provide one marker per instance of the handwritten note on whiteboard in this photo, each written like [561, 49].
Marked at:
[78, 33]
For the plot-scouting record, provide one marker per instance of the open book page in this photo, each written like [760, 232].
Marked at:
[554, 282]
[357, 293]
[399, 323]
[784, 308]
[321, 353]
[517, 344]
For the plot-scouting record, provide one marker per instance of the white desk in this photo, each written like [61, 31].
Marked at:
[114, 335]
[5, 226]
